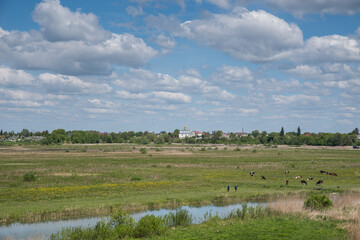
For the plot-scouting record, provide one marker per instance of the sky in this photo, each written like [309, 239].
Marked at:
[156, 65]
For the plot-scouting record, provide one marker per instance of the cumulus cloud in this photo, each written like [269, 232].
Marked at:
[297, 99]
[234, 76]
[128, 95]
[332, 48]
[70, 84]
[173, 96]
[12, 78]
[58, 23]
[71, 43]
[255, 36]
[299, 8]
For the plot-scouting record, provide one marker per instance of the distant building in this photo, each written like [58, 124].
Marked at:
[186, 133]
[241, 134]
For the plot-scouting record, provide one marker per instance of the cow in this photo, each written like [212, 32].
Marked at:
[263, 177]
[310, 178]
[298, 177]
[319, 182]
[322, 171]
[303, 182]
[287, 172]
[252, 174]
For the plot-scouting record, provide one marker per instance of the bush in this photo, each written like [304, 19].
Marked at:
[29, 177]
[181, 217]
[135, 178]
[318, 202]
[143, 150]
[149, 225]
[122, 224]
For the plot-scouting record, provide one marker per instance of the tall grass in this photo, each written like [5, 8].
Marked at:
[181, 217]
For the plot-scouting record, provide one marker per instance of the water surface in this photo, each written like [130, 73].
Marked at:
[43, 230]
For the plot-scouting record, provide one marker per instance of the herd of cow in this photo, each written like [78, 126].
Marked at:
[302, 181]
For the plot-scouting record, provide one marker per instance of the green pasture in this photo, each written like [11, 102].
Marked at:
[87, 180]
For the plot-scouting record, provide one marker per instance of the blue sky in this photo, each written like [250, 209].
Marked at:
[157, 65]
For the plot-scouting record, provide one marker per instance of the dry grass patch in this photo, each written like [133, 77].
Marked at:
[63, 174]
[346, 206]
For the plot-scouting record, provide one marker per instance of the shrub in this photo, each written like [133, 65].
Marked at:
[237, 150]
[29, 177]
[181, 217]
[135, 178]
[203, 149]
[254, 151]
[143, 150]
[149, 225]
[318, 202]
[121, 223]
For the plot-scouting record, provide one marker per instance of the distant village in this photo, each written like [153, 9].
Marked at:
[186, 135]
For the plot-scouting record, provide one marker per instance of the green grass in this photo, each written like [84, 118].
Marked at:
[75, 183]
[270, 227]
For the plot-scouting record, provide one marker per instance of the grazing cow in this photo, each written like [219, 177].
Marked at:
[322, 171]
[263, 177]
[252, 174]
[310, 178]
[334, 174]
[298, 177]
[303, 182]
[287, 171]
[319, 182]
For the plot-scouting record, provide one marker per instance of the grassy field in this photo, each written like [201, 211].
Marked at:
[87, 180]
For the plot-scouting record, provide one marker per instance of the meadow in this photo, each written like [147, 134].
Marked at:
[92, 180]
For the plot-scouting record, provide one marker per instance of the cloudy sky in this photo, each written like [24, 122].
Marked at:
[156, 65]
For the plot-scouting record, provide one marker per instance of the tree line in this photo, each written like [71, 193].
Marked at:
[59, 136]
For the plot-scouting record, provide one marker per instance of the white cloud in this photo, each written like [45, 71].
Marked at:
[19, 95]
[333, 48]
[101, 103]
[299, 8]
[221, 3]
[247, 35]
[10, 77]
[233, 76]
[58, 23]
[134, 11]
[99, 110]
[128, 95]
[165, 42]
[297, 99]
[173, 97]
[70, 84]
[71, 43]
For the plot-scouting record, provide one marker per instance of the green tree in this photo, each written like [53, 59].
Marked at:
[282, 133]
[356, 131]
[298, 131]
